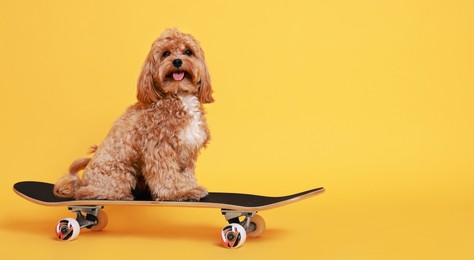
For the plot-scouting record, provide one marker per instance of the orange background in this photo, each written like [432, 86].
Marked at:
[371, 99]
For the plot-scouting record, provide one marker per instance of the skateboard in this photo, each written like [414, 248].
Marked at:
[239, 210]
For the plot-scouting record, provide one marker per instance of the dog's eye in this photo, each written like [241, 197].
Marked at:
[188, 52]
[166, 54]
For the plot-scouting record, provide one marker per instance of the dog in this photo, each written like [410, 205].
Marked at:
[152, 148]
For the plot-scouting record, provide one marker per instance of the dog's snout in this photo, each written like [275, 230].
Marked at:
[177, 63]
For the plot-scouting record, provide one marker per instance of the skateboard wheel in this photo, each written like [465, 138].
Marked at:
[233, 235]
[258, 224]
[68, 229]
[102, 220]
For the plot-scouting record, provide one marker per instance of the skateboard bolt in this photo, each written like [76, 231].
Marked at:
[64, 229]
[231, 236]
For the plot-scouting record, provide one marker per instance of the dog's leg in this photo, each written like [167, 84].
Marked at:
[168, 179]
[192, 190]
[114, 185]
[177, 187]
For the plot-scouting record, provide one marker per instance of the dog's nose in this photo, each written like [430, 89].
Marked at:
[177, 63]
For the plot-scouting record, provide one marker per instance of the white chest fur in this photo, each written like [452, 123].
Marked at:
[193, 134]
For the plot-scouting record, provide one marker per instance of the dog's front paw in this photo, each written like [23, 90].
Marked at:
[196, 193]
[191, 194]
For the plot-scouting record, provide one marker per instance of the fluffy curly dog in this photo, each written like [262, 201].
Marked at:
[152, 148]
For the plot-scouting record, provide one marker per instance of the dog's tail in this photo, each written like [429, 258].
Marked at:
[67, 185]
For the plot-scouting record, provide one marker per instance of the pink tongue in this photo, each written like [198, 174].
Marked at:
[178, 75]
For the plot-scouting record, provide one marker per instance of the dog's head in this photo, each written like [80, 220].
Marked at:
[175, 65]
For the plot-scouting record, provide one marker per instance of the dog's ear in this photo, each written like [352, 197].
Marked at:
[205, 89]
[147, 90]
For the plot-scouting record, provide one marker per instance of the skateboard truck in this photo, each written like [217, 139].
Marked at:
[233, 216]
[90, 218]
[241, 225]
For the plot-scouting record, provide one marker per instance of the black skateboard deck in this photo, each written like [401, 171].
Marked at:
[42, 193]
[234, 206]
